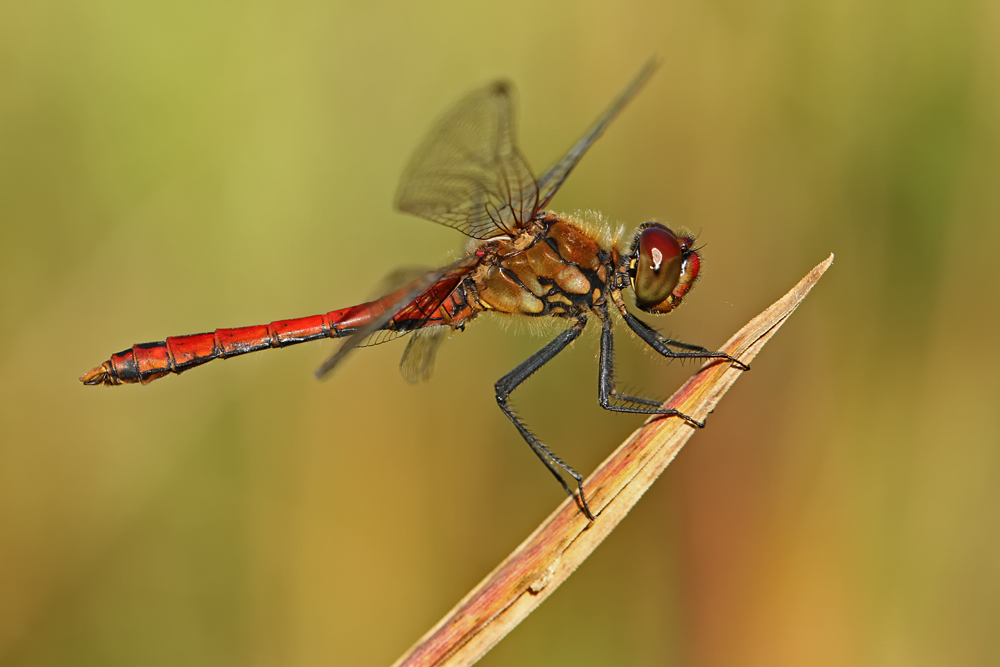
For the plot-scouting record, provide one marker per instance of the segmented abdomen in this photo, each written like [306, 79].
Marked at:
[146, 362]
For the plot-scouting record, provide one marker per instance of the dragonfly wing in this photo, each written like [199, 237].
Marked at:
[552, 179]
[469, 174]
[391, 283]
[407, 309]
[380, 337]
[417, 363]
[399, 278]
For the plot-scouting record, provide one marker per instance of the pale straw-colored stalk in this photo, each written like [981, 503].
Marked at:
[566, 538]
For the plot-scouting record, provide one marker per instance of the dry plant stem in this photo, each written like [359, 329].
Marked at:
[565, 539]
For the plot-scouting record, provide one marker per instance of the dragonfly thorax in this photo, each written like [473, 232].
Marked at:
[557, 269]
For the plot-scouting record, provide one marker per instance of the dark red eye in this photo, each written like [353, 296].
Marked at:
[657, 266]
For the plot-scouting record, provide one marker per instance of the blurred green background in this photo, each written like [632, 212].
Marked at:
[170, 168]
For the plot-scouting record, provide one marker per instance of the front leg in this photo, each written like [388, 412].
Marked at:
[607, 393]
[662, 345]
[508, 383]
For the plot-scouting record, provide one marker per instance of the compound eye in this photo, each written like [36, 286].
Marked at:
[657, 267]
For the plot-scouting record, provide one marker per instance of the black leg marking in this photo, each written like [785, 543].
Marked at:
[508, 383]
[662, 345]
[607, 393]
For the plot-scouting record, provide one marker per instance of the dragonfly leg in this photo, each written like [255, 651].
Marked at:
[662, 345]
[508, 383]
[611, 399]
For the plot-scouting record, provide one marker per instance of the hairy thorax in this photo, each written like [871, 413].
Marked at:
[553, 269]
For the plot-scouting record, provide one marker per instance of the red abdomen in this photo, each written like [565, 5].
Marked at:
[440, 304]
[146, 362]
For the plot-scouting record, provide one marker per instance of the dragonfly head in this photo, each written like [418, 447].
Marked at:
[662, 267]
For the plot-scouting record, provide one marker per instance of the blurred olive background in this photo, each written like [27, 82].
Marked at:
[170, 168]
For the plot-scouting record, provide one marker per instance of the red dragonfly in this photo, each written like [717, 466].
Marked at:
[523, 260]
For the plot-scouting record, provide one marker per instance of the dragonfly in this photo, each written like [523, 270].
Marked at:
[522, 259]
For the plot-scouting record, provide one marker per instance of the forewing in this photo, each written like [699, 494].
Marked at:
[407, 309]
[552, 179]
[417, 363]
[469, 174]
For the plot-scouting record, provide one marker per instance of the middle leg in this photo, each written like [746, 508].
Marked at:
[607, 392]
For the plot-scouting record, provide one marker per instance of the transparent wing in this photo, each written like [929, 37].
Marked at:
[392, 282]
[409, 308]
[552, 179]
[399, 278]
[417, 363]
[469, 174]
[380, 337]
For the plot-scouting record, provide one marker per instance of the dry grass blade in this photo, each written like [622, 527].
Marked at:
[565, 539]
